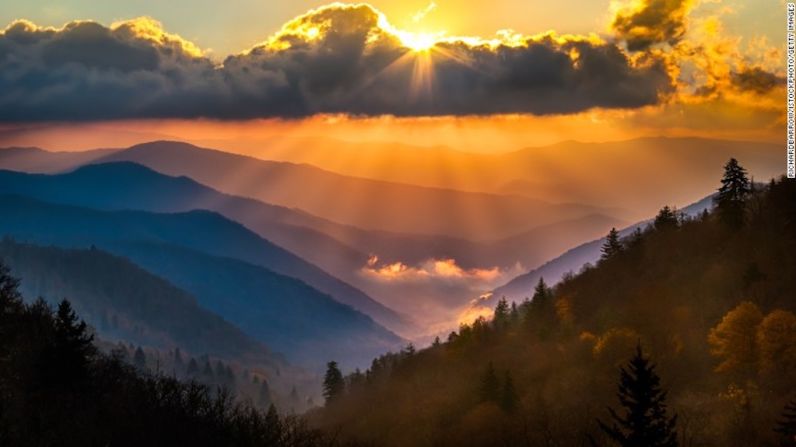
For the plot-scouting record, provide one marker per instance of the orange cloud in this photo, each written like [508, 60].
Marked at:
[430, 270]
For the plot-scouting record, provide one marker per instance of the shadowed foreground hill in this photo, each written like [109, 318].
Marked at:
[58, 390]
[710, 298]
[209, 235]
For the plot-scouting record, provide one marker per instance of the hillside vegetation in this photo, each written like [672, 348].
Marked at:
[709, 299]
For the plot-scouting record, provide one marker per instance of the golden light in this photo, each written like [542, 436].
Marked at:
[418, 42]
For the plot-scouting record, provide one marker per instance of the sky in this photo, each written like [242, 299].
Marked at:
[236, 25]
[508, 73]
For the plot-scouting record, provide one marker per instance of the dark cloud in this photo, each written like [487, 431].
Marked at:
[650, 22]
[756, 79]
[338, 59]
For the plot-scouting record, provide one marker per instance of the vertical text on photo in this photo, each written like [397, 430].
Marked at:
[791, 70]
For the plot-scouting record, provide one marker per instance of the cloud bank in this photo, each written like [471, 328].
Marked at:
[337, 59]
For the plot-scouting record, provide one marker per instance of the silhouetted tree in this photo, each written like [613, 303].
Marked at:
[612, 245]
[178, 358]
[514, 314]
[489, 390]
[72, 348]
[139, 359]
[540, 312]
[193, 368]
[786, 425]
[644, 422]
[731, 199]
[273, 427]
[264, 398]
[333, 382]
[501, 314]
[666, 219]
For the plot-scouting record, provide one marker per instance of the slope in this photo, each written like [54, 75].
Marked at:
[201, 232]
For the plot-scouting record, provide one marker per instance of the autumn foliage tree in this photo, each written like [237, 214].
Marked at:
[734, 339]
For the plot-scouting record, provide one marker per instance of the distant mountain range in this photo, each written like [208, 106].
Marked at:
[364, 203]
[125, 302]
[150, 239]
[120, 186]
[635, 174]
[342, 250]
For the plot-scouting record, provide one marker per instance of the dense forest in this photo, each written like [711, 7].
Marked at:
[704, 307]
[57, 389]
[683, 334]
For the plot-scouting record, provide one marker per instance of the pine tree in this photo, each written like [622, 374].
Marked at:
[333, 382]
[731, 199]
[490, 385]
[612, 245]
[178, 358]
[508, 395]
[540, 313]
[644, 422]
[72, 348]
[786, 426]
[264, 397]
[193, 367]
[666, 219]
[542, 295]
[501, 315]
[139, 359]
[273, 427]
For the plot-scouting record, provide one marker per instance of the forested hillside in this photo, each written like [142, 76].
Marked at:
[122, 301]
[709, 299]
[56, 389]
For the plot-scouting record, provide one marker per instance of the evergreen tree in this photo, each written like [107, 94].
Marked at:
[193, 367]
[490, 385]
[644, 422]
[139, 359]
[436, 342]
[786, 426]
[501, 315]
[333, 382]
[178, 358]
[514, 314]
[612, 245]
[72, 348]
[273, 427]
[508, 395]
[666, 219]
[540, 313]
[731, 199]
[264, 398]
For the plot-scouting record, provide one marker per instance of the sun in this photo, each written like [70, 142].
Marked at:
[419, 42]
